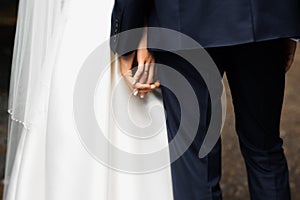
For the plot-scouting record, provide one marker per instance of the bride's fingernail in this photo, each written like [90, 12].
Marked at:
[135, 93]
[142, 96]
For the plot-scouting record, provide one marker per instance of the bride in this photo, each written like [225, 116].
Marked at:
[61, 71]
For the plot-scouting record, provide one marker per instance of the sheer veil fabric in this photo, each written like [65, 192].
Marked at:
[46, 158]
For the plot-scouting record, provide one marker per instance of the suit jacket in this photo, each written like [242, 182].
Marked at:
[212, 23]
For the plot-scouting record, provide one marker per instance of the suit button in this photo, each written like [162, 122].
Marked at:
[115, 38]
[117, 22]
[116, 29]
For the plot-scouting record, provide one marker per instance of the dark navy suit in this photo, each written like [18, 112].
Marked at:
[245, 38]
[212, 23]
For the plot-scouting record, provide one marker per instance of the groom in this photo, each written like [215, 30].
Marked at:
[249, 41]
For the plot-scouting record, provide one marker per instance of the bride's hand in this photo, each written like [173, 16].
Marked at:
[126, 63]
[146, 71]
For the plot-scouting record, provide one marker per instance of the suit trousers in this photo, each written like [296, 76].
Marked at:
[256, 76]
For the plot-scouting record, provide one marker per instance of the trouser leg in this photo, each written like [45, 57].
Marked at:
[193, 178]
[257, 77]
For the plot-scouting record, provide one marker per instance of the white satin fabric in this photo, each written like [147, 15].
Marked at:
[46, 158]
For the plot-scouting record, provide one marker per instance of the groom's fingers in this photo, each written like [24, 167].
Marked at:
[143, 86]
[153, 86]
[151, 72]
[139, 83]
[138, 87]
[134, 84]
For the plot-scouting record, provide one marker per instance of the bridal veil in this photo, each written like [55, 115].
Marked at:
[47, 158]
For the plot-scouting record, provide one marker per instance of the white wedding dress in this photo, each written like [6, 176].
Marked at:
[48, 157]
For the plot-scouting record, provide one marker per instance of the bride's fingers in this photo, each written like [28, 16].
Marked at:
[140, 70]
[134, 83]
[150, 77]
[144, 92]
[129, 80]
[144, 76]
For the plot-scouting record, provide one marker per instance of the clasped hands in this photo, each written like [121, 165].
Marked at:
[142, 81]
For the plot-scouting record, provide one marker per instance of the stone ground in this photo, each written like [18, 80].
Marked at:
[234, 182]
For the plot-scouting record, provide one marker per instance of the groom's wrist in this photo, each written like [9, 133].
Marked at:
[127, 53]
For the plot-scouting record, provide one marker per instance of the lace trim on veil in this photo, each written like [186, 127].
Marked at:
[10, 112]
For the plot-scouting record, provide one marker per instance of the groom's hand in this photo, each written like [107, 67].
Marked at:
[126, 63]
[146, 71]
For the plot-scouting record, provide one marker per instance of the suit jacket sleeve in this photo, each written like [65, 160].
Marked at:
[127, 15]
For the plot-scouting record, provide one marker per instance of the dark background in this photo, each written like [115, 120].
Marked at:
[234, 181]
[8, 12]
